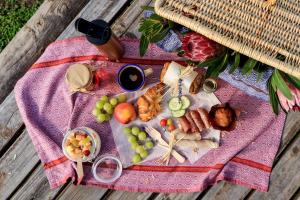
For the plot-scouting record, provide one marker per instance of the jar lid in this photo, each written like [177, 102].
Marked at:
[79, 77]
[107, 168]
[210, 85]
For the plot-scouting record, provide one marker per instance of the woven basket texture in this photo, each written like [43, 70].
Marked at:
[263, 30]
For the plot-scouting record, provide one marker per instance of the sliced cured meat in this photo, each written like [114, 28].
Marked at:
[184, 123]
[204, 116]
[194, 127]
[197, 119]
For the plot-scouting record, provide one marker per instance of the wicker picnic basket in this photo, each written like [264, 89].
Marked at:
[263, 30]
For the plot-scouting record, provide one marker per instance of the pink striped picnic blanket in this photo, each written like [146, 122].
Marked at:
[245, 155]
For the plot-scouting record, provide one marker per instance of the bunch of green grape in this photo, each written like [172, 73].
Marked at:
[139, 141]
[104, 108]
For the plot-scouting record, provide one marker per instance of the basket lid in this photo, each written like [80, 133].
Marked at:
[265, 30]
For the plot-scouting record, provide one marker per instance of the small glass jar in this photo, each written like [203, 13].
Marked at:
[107, 168]
[78, 141]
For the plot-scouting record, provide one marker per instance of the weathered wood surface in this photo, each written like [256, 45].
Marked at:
[82, 192]
[10, 120]
[25, 48]
[32, 179]
[16, 164]
[285, 178]
[36, 187]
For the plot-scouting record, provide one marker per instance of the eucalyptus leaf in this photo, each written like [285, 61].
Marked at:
[221, 67]
[273, 98]
[215, 61]
[171, 24]
[214, 71]
[281, 85]
[147, 8]
[144, 43]
[293, 80]
[159, 36]
[156, 17]
[237, 59]
[248, 66]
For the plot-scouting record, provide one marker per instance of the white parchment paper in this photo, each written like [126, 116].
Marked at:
[201, 99]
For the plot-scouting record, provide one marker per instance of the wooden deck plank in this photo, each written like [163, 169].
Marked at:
[119, 193]
[119, 27]
[285, 177]
[124, 195]
[82, 193]
[178, 196]
[37, 187]
[96, 9]
[25, 48]
[10, 120]
[225, 190]
[16, 164]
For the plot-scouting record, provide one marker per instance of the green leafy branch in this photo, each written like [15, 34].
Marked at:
[153, 29]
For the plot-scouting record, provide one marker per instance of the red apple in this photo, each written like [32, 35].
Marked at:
[124, 113]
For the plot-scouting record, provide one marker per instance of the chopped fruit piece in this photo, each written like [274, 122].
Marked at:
[75, 143]
[144, 154]
[171, 128]
[135, 130]
[77, 150]
[68, 142]
[169, 122]
[79, 137]
[142, 135]
[136, 158]
[149, 145]
[86, 152]
[86, 140]
[70, 148]
[163, 122]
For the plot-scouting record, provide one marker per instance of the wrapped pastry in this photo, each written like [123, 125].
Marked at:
[198, 144]
[191, 82]
[149, 103]
[185, 136]
[223, 117]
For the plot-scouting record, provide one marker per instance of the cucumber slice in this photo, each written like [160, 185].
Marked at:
[175, 104]
[185, 102]
[178, 113]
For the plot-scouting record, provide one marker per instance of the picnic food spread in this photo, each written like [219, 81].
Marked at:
[147, 126]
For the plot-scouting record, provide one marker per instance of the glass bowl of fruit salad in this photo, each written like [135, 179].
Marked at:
[81, 144]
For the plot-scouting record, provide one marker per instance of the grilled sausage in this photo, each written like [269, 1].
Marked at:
[184, 123]
[194, 127]
[204, 116]
[197, 119]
